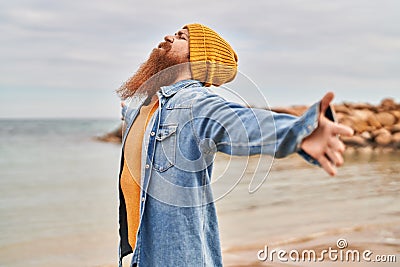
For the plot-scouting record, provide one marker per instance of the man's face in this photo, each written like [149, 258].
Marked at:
[172, 52]
[176, 46]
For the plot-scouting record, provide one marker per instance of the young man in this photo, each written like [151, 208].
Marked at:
[167, 214]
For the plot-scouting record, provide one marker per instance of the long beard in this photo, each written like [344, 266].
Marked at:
[157, 71]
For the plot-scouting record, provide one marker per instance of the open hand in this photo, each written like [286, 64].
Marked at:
[323, 144]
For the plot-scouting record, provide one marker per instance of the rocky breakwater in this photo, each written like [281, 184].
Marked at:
[376, 127]
[112, 137]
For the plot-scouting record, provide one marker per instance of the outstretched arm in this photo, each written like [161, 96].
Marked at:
[323, 143]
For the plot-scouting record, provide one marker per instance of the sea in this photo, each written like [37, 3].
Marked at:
[59, 202]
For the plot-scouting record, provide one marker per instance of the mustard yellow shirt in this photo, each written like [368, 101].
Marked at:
[130, 177]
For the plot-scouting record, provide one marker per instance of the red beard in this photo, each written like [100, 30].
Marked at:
[145, 81]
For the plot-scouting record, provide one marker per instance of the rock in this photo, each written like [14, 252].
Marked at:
[388, 104]
[366, 135]
[396, 140]
[347, 121]
[109, 138]
[383, 139]
[375, 133]
[360, 126]
[395, 128]
[361, 106]
[340, 116]
[342, 109]
[373, 121]
[396, 113]
[355, 140]
[362, 114]
[112, 137]
[386, 118]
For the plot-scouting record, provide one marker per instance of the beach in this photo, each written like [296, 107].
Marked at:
[300, 208]
[59, 203]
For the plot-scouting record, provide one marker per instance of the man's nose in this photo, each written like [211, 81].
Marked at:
[169, 38]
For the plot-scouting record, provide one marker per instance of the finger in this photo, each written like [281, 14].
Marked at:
[326, 101]
[342, 130]
[337, 145]
[335, 157]
[327, 165]
[122, 104]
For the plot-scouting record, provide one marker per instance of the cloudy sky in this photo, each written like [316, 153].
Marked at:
[66, 58]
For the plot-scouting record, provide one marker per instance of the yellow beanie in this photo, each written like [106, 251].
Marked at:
[212, 59]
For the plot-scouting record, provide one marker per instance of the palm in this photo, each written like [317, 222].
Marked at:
[323, 144]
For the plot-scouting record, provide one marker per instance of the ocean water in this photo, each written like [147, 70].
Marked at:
[58, 193]
[58, 199]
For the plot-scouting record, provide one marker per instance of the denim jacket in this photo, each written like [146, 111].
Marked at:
[178, 222]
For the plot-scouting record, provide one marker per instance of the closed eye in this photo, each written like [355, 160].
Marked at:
[181, 35]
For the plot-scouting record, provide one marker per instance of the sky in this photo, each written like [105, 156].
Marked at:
[65, 59]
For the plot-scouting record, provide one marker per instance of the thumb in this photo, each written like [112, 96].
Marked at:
[326, 101]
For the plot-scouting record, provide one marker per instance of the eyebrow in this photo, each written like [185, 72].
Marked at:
[182, 32]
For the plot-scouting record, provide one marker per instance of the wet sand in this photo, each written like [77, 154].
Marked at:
[379, 239]
[299, 207]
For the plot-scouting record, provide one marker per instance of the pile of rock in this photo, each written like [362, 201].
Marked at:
[112, 137]
[375, 127]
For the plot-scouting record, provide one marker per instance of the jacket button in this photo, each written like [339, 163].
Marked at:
[152, 133]
[143, 199]
[147, 166]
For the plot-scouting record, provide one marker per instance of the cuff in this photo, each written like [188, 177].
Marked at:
[310, 121]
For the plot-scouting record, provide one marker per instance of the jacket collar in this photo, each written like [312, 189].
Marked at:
[168, 91]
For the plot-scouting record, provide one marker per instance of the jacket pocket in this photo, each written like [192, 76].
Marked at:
[164, 155]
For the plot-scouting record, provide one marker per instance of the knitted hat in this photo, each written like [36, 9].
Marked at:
[212, 59]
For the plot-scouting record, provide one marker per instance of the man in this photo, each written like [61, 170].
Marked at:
[167, 213]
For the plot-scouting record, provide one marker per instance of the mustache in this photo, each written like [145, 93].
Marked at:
[165, 45]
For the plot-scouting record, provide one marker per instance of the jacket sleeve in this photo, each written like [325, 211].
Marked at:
[230, 128]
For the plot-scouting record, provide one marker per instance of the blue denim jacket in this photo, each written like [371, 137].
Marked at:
[178, 222]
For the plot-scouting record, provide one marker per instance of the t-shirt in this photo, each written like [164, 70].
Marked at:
[130, 177]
